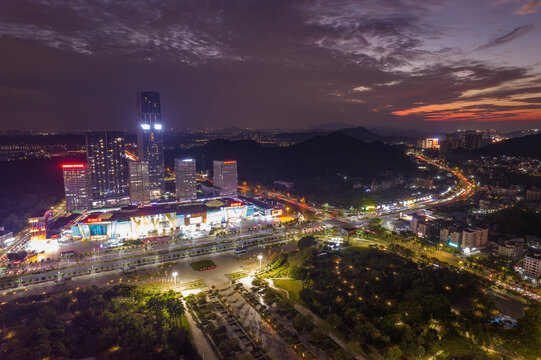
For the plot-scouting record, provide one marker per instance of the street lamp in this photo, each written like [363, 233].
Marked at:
[260, 257]
[175, 277]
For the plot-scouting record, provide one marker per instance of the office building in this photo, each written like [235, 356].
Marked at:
[76, 187]
[186, 186]
[474, 238]
[150, 139]
[139, 182]
[107, 166]
[225, 177]
[532, 266]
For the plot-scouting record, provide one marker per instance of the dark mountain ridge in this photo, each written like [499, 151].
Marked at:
[324, 156]
[527, 146]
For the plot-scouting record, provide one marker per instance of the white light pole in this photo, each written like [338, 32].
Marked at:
[175, 277]
[260, 257]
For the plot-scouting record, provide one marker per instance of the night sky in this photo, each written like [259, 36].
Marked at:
[420, 64]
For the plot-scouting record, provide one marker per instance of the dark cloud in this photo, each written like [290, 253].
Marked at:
[510, 36]
[77, 64]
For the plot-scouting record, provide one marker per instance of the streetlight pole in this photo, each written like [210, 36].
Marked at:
[175, 277]
[260, 257]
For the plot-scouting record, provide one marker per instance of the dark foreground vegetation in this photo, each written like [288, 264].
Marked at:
[384, 301]
[123, 322]
[27, 186]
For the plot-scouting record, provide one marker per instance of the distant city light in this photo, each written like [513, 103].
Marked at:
[157, 126]
[73, 166]
[145, 126]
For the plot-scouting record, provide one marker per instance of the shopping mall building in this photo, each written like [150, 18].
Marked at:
[131, 223]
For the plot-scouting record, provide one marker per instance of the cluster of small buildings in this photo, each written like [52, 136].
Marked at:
[462, 234]
[455, 234]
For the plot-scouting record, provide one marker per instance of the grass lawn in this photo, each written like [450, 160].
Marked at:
[292, 286]
[166, 286]
[237, 275]
[190, 285]
[203, 265]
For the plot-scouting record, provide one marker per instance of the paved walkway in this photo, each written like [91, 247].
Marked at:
[200, 341]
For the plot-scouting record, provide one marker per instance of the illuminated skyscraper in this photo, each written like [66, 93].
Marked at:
[107, 165]
[76, 187]
[225, 177]
[150, 139]
[186, 186]
[139, 182]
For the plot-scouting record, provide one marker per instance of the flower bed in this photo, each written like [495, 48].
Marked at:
[203, 265]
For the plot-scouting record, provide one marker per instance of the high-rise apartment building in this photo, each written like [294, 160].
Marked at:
[107, 166]
[186, 186]
[139, 182]
[150, 139]
[474, 238]
[225, 177]
[76, 187]
[532, 266]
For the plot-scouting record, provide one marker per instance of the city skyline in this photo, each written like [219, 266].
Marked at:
[272, 64]
[312, 179]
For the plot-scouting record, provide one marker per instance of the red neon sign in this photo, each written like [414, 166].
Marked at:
[93, 220]
[73, 166]
[235, 204]
[230, 162]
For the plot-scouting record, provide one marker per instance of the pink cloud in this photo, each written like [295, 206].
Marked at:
[530, 7]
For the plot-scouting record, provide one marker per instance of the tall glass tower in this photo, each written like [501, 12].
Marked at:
[150, 139]
[107, 164]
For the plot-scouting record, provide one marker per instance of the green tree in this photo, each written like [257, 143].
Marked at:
[317, 336]
[300, 322]
[394, 353]
[306, 295]
[306, 242]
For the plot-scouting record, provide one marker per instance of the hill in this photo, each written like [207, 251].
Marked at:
[528, 146]
[322, 164]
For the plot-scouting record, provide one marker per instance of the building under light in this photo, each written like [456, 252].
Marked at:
[133, 222]
[225, 177]
[185, 183]
[429, 143]
[139, 182]
[76, 187]
[38, 222]
[150, 139]
[108, 167]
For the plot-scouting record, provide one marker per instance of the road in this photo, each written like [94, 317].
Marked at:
[97, 265]
[226, 262]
